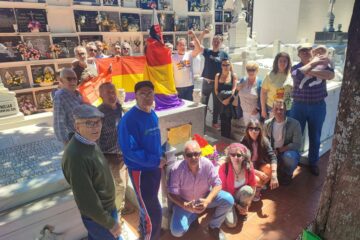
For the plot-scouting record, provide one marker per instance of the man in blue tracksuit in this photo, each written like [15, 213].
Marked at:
[140, 142]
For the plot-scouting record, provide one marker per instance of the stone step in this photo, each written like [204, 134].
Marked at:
[17, 194]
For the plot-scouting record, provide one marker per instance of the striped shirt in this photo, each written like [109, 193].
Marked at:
[64, 103]
[308, 94]
[108, 141]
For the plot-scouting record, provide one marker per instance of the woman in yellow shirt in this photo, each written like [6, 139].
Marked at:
[277, 84]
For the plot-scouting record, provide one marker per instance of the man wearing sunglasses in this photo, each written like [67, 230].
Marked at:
[86, 170]
[194, 185]
[65, 100]
[83, 63]
[285, 137]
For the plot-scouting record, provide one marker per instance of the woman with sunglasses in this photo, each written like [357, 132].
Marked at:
[277, 84]
[249, 93]
[225, 87]
[238, 178]
[262, 156]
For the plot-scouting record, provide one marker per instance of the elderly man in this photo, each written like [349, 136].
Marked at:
[112, 111]
[100, 50]
[194, 186]
[85, 169]
[126, 49]
[309, 105]
[140, 142]
[212, 66]
[82, 63]
[91, 50]
[65, 100]
[183, 66]
[285, 137]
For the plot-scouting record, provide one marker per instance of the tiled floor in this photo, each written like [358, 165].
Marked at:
[281, 215]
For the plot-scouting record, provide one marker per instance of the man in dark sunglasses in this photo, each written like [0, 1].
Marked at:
[194, 186]
[83, 63]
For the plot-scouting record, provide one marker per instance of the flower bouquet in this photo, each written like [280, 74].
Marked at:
[28, 52]
[34, 26]
[55, 49]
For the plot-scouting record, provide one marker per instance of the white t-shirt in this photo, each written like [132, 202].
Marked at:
[278, 134]
[248, 97]
[183, 71]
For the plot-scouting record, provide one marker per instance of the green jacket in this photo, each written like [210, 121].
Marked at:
[86, 170]
[291, 131]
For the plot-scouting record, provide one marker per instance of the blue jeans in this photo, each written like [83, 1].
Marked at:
[288, 161]
[182, 219]
[96, 231]
[186, 92]
[314, 115]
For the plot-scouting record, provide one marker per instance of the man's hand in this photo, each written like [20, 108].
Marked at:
[319, 60]
[162, 163]
[191, 33]
[274, 183]
[204, 202]
[206, 31]
[189, 206]
[116, 230]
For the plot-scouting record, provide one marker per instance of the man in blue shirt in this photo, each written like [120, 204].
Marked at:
[140, 142]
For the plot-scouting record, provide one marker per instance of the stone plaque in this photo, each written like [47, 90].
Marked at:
[130, 22]
[40, 43]
[7, 22]
[15, 78]
[8, 49]
[8, 108]
[110, 21]
[145, 22]
[86, 21]
[31, 20]
[43, 75]
[65, 46]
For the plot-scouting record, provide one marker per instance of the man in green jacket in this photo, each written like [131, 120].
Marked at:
[285, 137]
[85, 169]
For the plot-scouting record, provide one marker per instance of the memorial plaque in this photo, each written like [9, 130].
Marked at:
[219, 29]
[8, 49]
[110, 21]
[65, 46]
[227, 16]
[44, 99]
[145, 22]
[168, 39]
[86, 21]
[218, 16]
[43, 75]
[90, 38]
[146, 4]
[206, 21]
[40, 43]
[15, 78]
[194, 23]
[181, 24]
[166, 22]
[31, 20]
[130, 22]
[111, 2]
[7, 20]
[26, 103]
[87, 2]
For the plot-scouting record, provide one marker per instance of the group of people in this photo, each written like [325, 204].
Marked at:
[103, 147]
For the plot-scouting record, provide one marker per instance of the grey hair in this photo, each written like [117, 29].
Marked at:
[76, 49]
[191, 143]
[64, 71]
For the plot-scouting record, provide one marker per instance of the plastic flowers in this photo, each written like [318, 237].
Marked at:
[34, 26]
[28, 52]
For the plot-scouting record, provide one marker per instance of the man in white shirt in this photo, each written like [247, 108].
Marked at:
[183, 66]
[285, 136]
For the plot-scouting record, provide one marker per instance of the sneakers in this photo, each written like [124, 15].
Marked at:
[217, 234]
[216, 126]
[314, 169]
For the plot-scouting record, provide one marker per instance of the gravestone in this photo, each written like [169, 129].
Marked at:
[9, 110]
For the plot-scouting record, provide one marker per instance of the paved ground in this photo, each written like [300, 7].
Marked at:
[281, 215]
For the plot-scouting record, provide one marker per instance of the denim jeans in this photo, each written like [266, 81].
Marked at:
[186, 92]
[182, 219]
[288, 162]
[314, 115]
[96, 231]
[207, 90]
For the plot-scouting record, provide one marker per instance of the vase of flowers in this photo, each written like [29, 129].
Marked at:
[34, 26]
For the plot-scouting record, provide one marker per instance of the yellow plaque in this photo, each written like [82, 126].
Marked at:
[179, 134]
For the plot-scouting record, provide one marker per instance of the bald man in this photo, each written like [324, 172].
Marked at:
[65, 100]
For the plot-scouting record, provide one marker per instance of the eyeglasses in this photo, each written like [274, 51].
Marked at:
[256, 129]
[148, 94]
[92, 50]
[127, 49]
[192, 154]
[225, 65]
[251, 70]
[239, 155]
[71, 78]
[91, 124]
[81, 53]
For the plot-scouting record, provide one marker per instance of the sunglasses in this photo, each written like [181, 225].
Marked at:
[92, 50]
[251, 70]
[225, 65]
[192, 154]
[256, 129]
[127, 49]
[81, 53]
[238, 155]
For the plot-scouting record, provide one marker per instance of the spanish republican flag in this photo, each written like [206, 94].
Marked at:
[159, 69]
